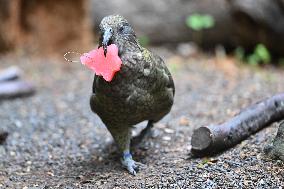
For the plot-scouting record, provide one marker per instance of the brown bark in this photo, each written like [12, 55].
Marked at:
[43, 26]
[214, 138]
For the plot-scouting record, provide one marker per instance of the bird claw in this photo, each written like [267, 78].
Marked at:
[131, 170]
[131, 165]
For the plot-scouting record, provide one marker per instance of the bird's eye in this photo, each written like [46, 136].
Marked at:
[121, 29]
[125, 29]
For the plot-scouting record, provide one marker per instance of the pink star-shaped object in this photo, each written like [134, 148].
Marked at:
[101, 65]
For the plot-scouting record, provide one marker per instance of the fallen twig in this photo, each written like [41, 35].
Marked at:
[214, 138]
[12, 89]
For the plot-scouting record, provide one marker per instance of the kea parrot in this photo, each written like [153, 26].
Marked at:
[142, 90]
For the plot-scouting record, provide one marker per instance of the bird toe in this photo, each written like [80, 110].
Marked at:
[131, 165]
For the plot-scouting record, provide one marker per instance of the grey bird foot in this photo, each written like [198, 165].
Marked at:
[131, 165]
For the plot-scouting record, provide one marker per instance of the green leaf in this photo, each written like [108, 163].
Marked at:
[199, 22]
[194, 22]
[240, 53]
[253, 59]
[208, 21]
[262, 52]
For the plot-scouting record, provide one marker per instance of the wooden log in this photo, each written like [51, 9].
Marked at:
[10, 73]
[214, 138]
[12, 89]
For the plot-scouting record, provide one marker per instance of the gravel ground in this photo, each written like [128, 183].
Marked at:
[56, 142]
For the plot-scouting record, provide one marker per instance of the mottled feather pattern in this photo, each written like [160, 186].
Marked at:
[142, 90]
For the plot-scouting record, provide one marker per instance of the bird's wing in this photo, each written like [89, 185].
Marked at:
[160, 67]
[94, 84]
[92, 98]
[171, 81]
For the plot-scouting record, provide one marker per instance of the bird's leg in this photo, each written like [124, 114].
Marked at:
[122, 137]
[146, 131]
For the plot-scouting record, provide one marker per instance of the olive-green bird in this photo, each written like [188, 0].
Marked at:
[142, 90]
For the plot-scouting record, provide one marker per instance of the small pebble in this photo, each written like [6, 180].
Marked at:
[187, 49]
[169, 131]
[50, 173]
[166, 138]
[155, 133]
[12, 153]
[100, 158]
[184, 121]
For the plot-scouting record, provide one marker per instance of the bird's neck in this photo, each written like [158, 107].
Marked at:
[127, 46]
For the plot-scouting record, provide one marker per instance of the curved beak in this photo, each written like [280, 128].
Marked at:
[106, 39]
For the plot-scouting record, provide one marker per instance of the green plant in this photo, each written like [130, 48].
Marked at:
[240, 53]
[260, 55]
[200, 22]
[281, 61]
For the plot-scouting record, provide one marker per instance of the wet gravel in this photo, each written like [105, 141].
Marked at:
[56, 142]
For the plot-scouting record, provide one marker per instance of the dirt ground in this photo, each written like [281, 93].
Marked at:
[55, 140]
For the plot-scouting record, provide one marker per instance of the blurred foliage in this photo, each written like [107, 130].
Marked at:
[281, 62]
[240, 53]
[260, 55]
[144, 40]
[200, 22]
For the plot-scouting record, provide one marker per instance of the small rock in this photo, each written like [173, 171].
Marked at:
[2, 150]
[169, 131]
[12, 153]
[50, 173]
[3, 136]
[187, 49]
[261, 182]
[160, 125]
[276, 149]
[155, 133]
[100, 158]
[184, 121]
[166, 138]
[18, 123]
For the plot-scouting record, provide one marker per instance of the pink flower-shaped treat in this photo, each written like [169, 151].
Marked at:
[101, 65]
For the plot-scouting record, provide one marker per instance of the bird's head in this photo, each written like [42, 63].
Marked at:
[116, 30]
